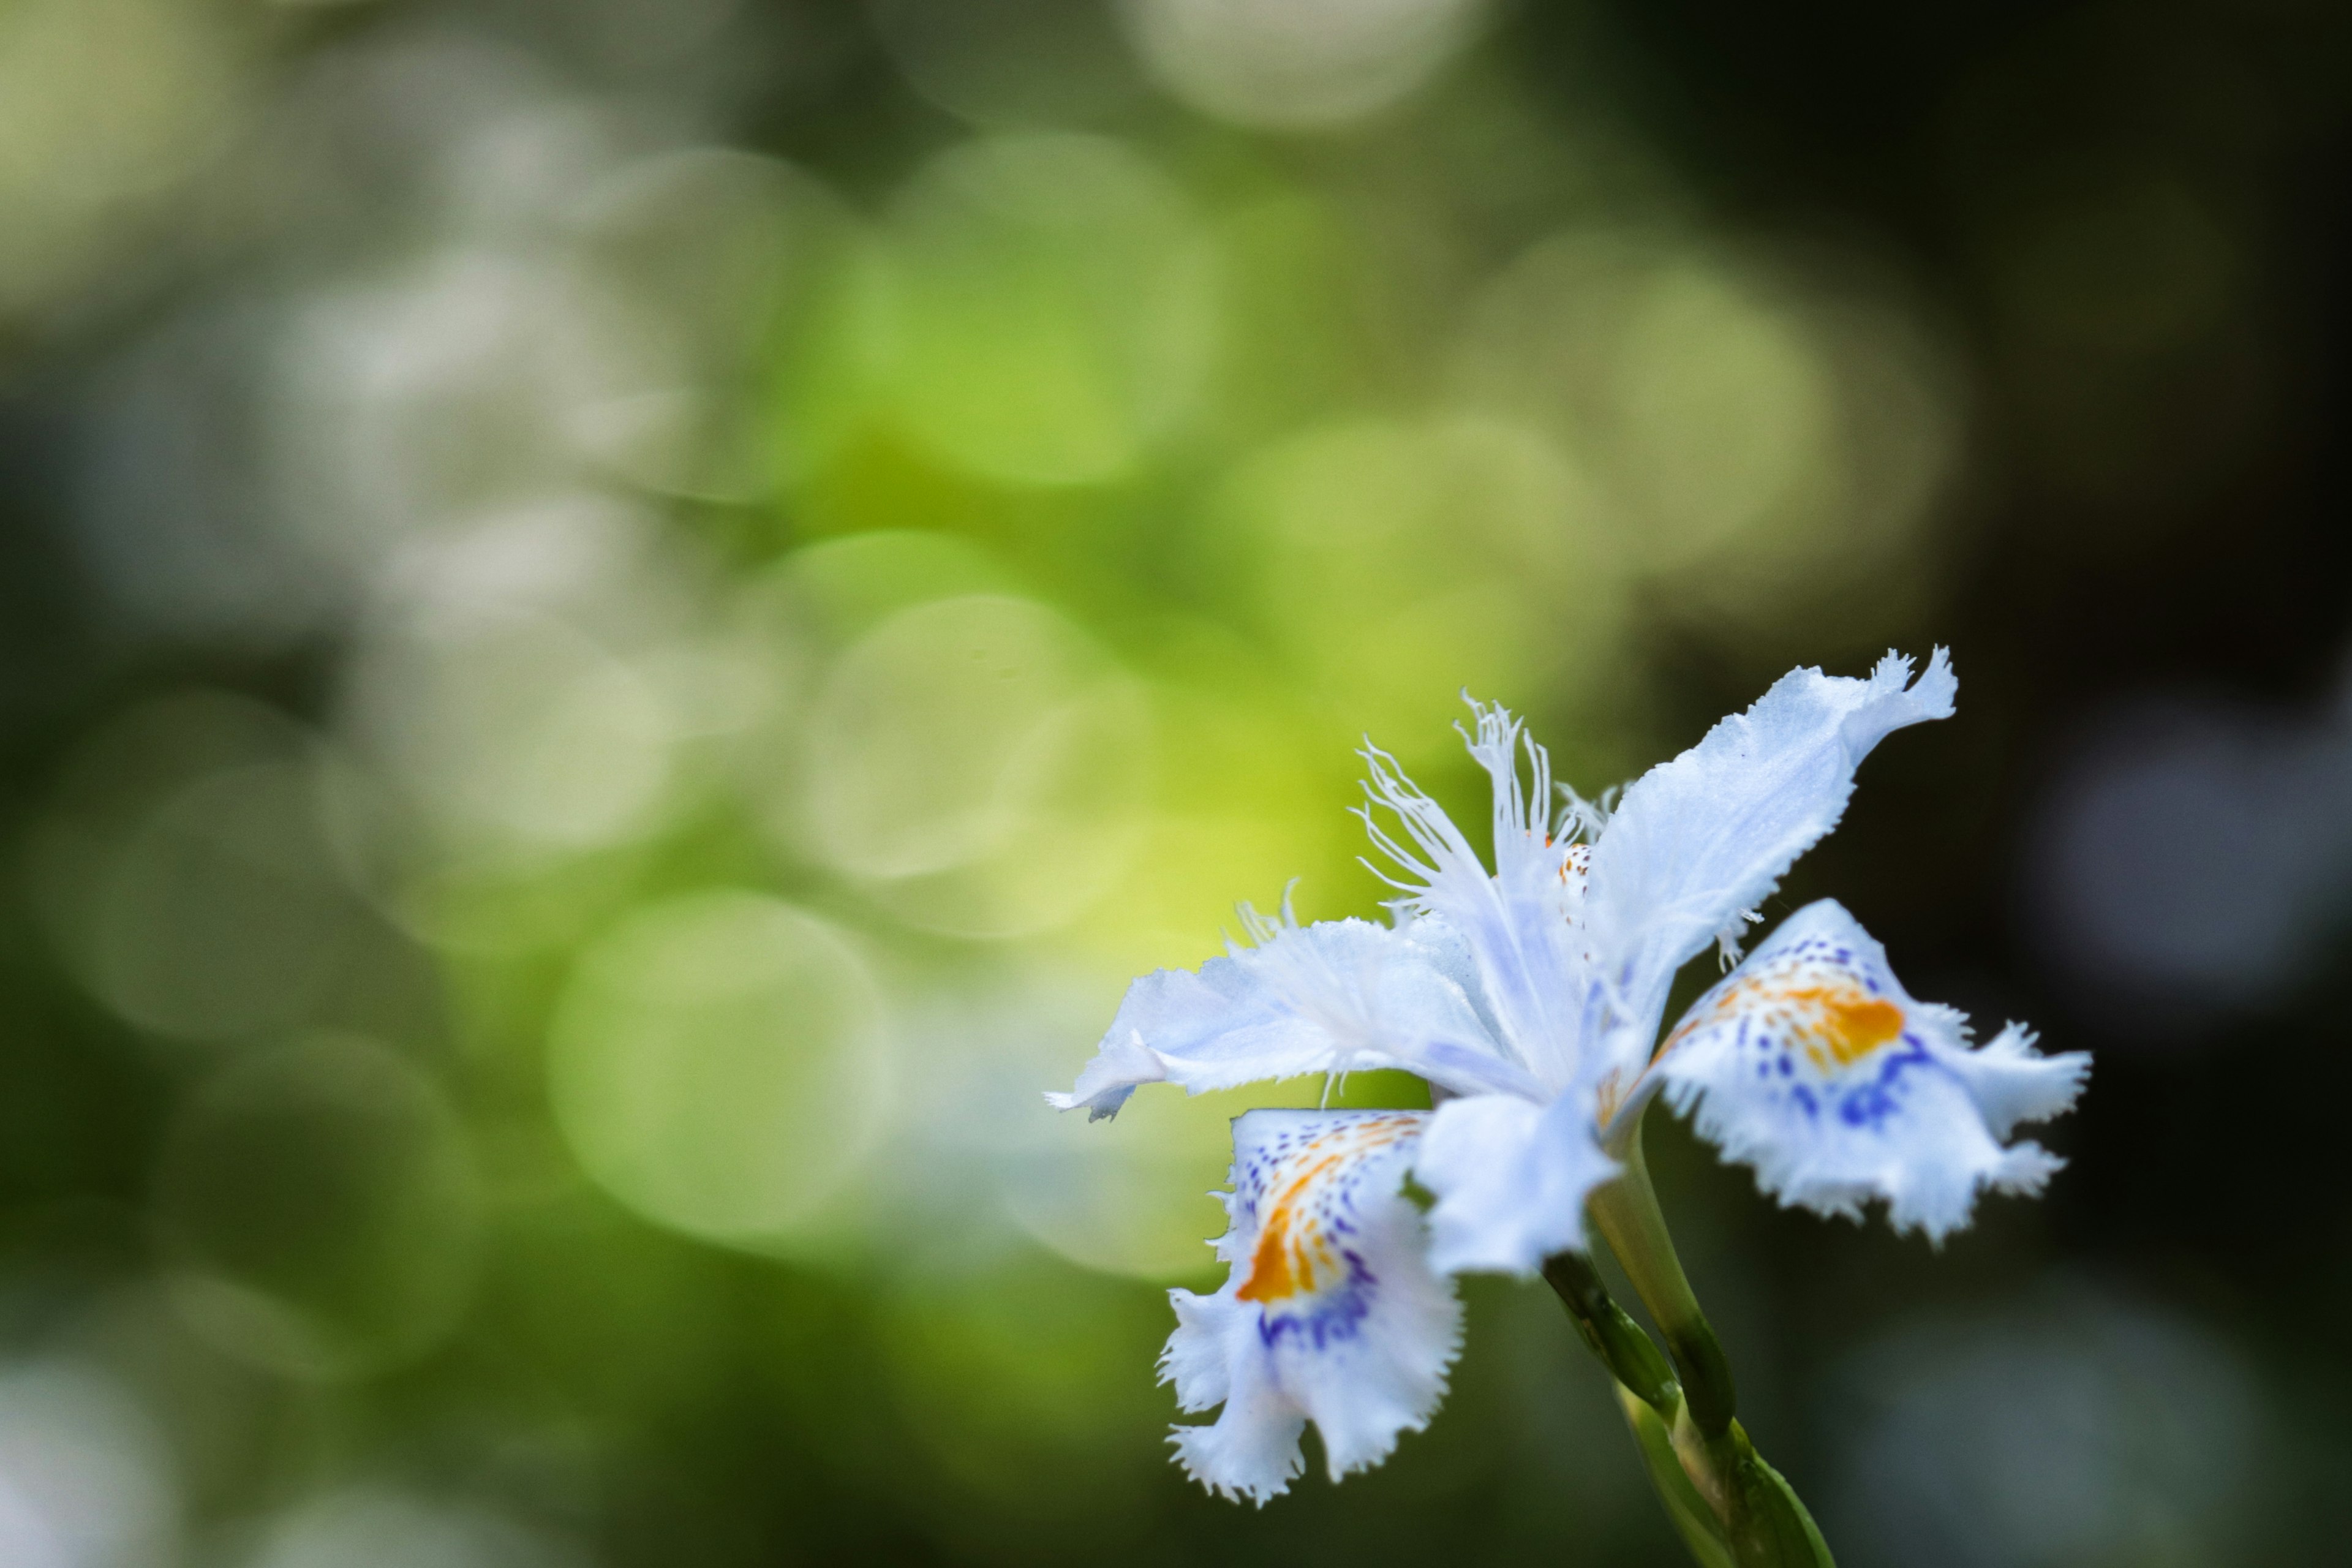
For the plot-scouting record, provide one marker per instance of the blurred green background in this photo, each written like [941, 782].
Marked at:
[621, 620]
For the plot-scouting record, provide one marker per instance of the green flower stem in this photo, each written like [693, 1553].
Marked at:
[1730, 1507]
[1768, 1526]
[1763, 1521]
[1693, 1517]
[1626, 1212]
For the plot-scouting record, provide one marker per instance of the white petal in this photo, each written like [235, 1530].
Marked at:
[1813, 1064]
[1511, 1178]
[1336, 996]
[1331, 1314]
[2012, 1082]
[1120, 1064]
[1708, 834]
[1517, 925]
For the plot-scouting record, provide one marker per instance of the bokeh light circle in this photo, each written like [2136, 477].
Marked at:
[194, 870]
[716, 255]
[1396, 562]
[1054, 307]
[378, 1527]
[226, 912]
[516, 730]
[1297, 64]
[478, 382]
[1770, 427]
[718, 1063]
[1702, 405]
[979, 764]
[86, 1478]
[105, 105]
[1010, 62]
[320, 1206]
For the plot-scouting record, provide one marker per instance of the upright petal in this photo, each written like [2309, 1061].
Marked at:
[1336, 996]
[1813, 1064]
[1516, 926]
[1510, 1179]
[1699, 840]
[1330, 1314]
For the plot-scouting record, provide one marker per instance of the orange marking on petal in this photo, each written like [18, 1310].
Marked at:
[1835, 1023]
[1851, 1024]
[1270, 1277]
[1282, 1265]
[1280, 1268]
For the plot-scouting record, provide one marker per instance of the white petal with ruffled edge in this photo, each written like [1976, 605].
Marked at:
[1337, 996]
[1813, 1064]
[1511, 1178]
[1701, 839]
[1330, 1314]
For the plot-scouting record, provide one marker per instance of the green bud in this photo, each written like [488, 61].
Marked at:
[1614, 1337]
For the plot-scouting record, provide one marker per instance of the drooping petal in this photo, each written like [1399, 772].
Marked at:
[1700, 839]
[1335, 997]
[1516, 926]
[1510, 1179]
[1330, 1314]
[1813, 1064]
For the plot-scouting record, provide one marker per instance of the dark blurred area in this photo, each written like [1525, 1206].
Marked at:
[620, 620]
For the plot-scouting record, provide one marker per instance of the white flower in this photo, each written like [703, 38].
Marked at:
[1530, 997]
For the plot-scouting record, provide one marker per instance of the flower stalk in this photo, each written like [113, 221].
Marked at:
[1695, 1518]
[1626, 1212]
[1731, 1509]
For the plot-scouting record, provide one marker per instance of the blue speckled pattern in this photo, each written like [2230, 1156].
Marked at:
[1812, 1063]
[1330, 1313]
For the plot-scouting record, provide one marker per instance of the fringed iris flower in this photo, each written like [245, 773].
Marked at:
[1530, 996]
